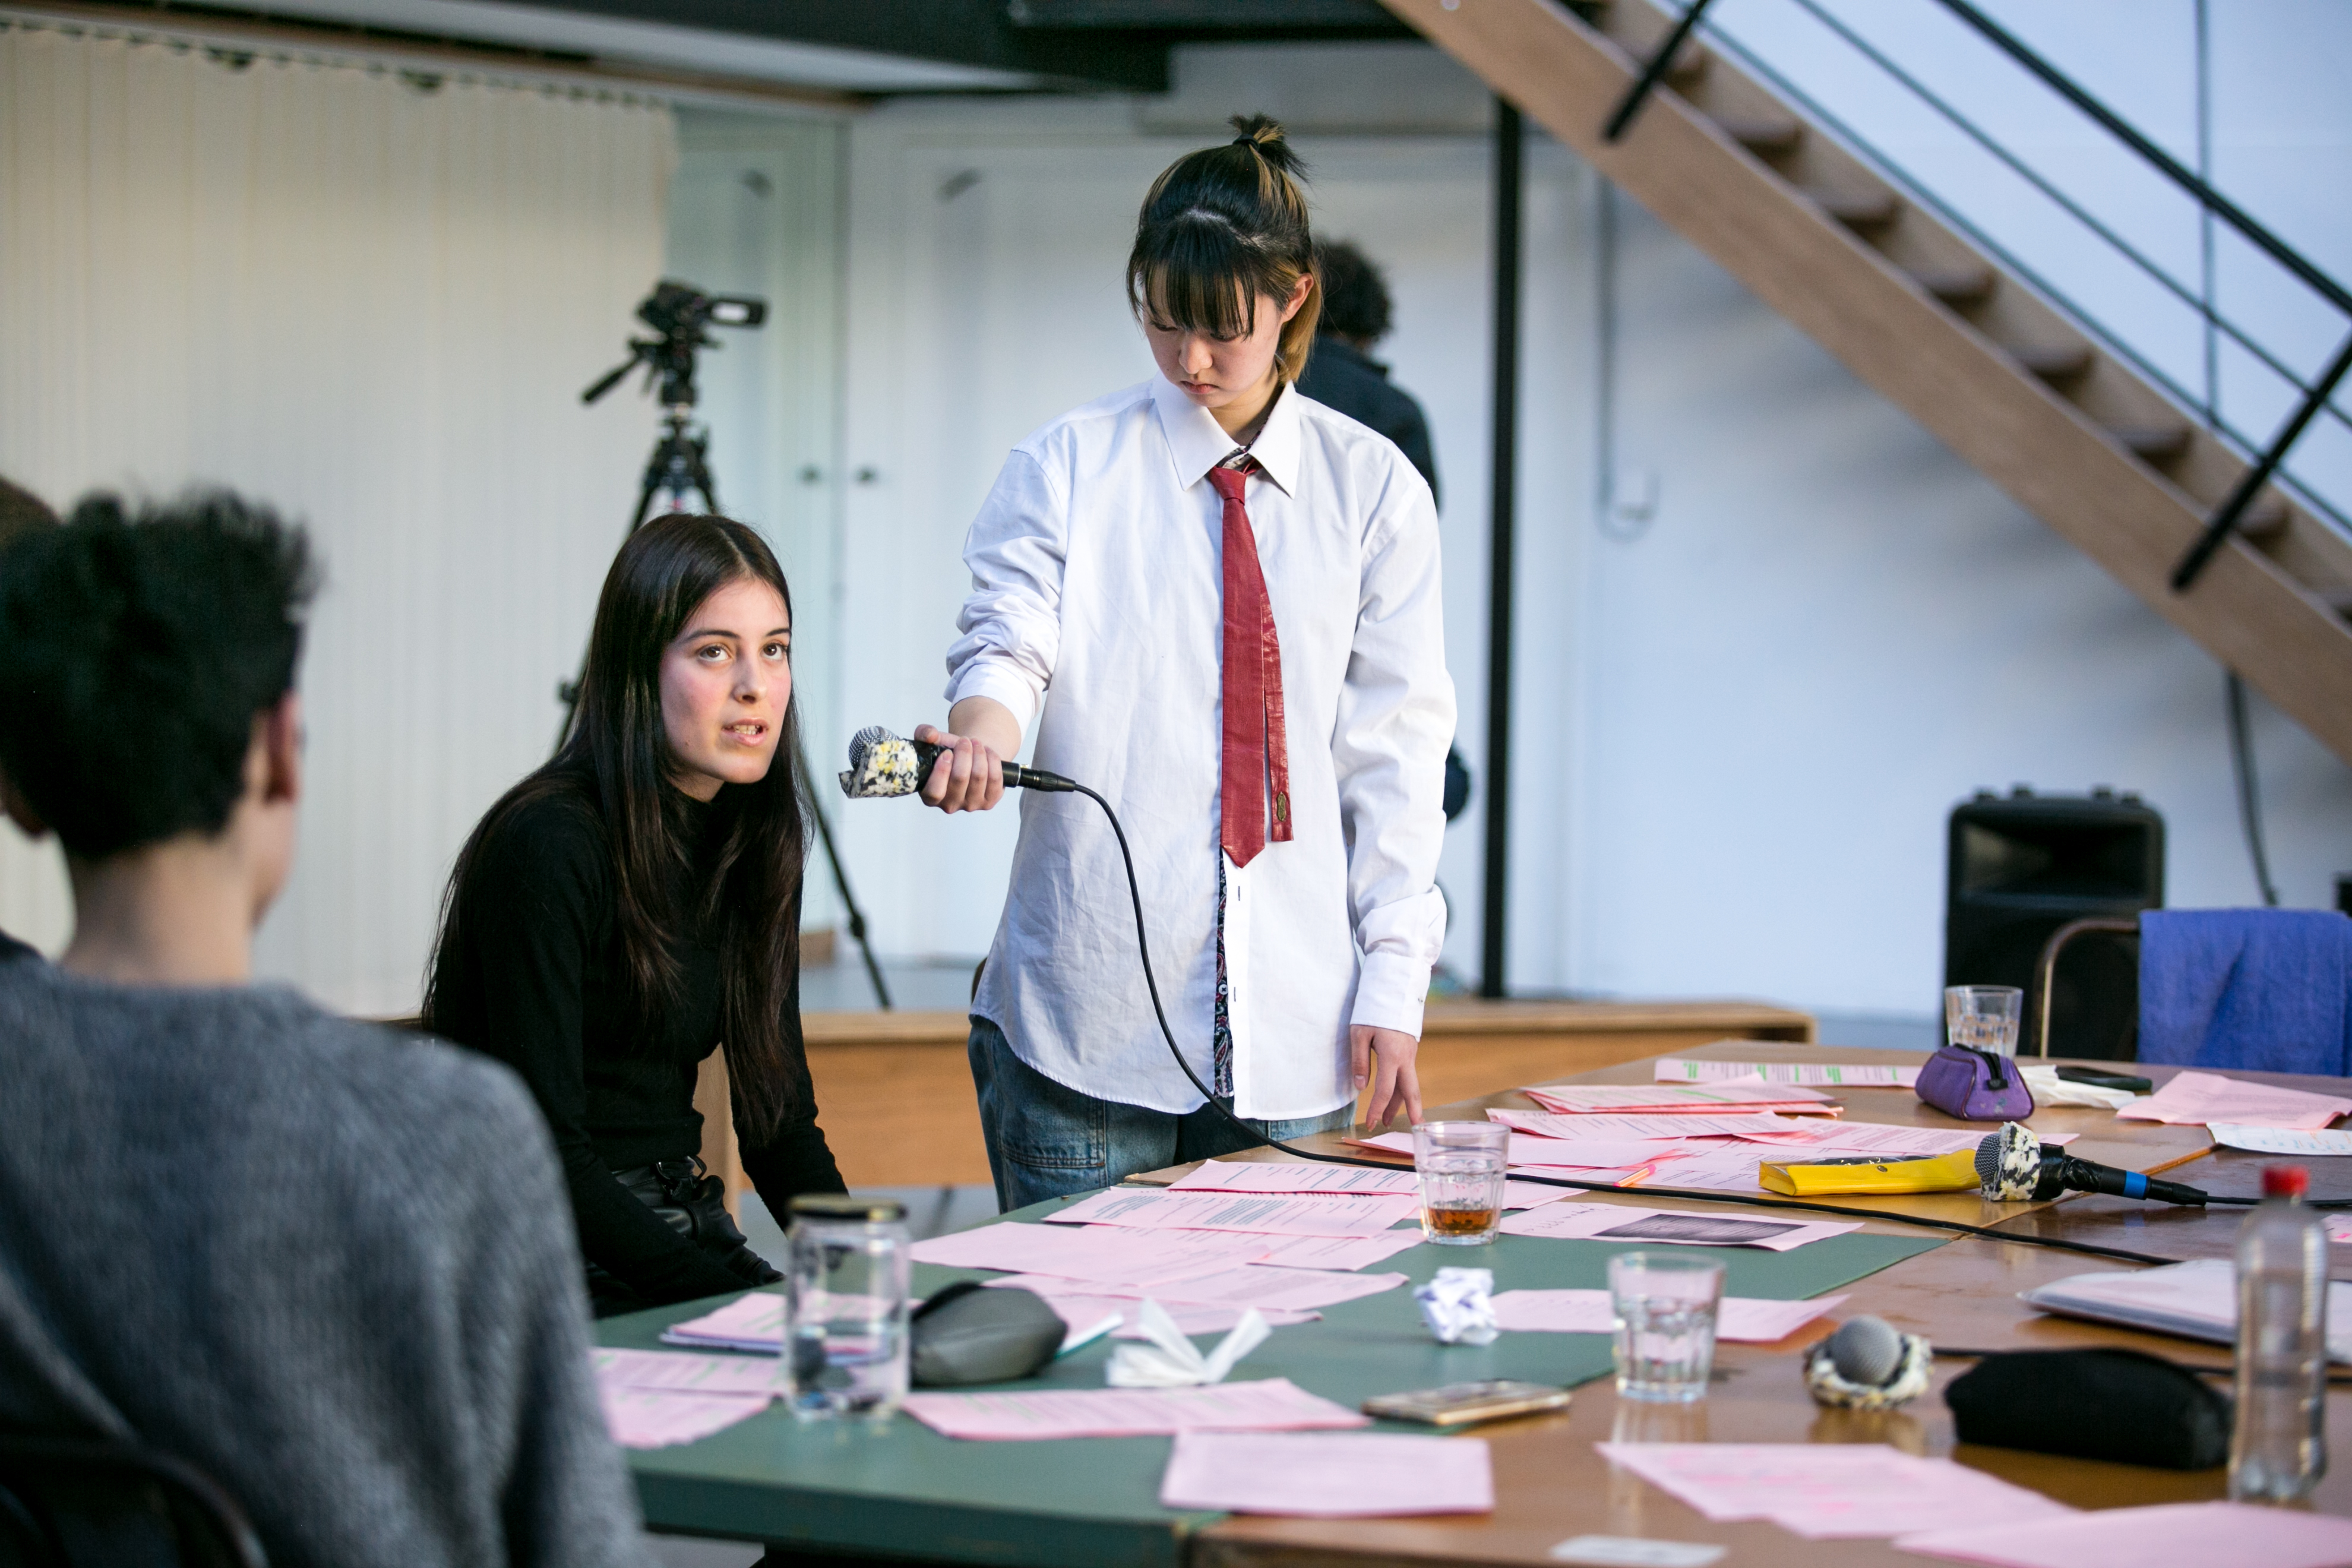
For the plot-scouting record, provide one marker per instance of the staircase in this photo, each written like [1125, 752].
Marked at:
[2001, 375]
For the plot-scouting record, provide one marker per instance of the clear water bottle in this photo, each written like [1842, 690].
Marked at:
[2278, 1446]
[845, 1292]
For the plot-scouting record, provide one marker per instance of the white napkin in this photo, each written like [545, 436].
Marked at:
[2049, 1088]
[1172, 1361]
[1458, 1305]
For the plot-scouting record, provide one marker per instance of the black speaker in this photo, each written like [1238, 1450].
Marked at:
[2021, 865]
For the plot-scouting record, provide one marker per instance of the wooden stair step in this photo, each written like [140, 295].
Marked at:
[2053, 361]
[1766, 138]
[1958, 286]
[2264, 519]
[1859, 209]
[1690, 66]
[2154, 443]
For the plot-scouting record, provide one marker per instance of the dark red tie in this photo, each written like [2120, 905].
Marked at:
[1256, 754]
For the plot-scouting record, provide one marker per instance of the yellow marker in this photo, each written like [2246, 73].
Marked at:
[1811, 1178]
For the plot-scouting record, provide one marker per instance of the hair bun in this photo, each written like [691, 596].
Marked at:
[1263, 135]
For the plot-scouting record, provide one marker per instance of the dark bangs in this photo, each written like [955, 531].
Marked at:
[1196, 273]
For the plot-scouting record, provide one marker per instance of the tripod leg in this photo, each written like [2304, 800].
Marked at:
[848, 900]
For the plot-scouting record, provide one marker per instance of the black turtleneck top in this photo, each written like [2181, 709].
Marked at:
[535, 979]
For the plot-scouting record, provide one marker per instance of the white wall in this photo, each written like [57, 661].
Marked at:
[1738, 732]
[373, 306]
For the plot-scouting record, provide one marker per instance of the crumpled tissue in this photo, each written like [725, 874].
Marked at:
[1459, 1306]
[2049, 1088]
[1172, 1361]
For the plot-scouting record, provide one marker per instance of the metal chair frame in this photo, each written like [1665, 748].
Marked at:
[2045, 968]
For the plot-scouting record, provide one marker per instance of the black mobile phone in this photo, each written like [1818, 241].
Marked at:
[2097, 1078]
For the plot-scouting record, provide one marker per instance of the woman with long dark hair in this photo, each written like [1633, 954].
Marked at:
[635, 903]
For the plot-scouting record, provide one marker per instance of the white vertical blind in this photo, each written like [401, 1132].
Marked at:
[371, 299]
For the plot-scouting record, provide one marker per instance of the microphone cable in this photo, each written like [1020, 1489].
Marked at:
[1033, 778]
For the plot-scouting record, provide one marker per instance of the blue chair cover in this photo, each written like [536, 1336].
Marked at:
[2267, 990]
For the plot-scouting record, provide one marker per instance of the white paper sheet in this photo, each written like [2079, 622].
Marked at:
[1313, 1476]
[1742, 1320]
[1632, 1226]
[2280, 1140]
[658, 1417]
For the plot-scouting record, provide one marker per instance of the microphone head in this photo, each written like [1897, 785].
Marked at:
[880, 765]
[2008, 1164]
[1868, 1350]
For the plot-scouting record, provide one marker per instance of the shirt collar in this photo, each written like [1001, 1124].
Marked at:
[1196, 443]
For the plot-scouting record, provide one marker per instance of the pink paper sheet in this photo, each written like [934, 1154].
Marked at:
[752, 1322]
[1646, 1227]
[1576, 1099]
[1367, 1476]
[2193, 1098]
[688, 1374]
[658, 1417]
[1335, 1251]
[1296, 1176]
[1618, 1131]
[1276, 1214]
[1540, 1154]
[1742, 1320]
[2169, 1535]
[1812, 1075]
[1823, 1490]
[1269, 1290]
[1271, 1404]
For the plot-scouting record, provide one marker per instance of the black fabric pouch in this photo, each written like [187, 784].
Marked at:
[2118, 1405]
[964, 1334]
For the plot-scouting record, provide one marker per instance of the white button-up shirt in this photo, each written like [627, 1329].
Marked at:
[1098, 595]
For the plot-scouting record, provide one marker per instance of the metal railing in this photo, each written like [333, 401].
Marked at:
[2315, 396]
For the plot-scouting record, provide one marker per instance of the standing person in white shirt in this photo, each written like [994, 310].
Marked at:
[1218, 600]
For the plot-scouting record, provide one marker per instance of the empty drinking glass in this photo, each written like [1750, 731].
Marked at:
[1983, 1018]
[1664, 1305]
[1461, 1165]
[846, 1287]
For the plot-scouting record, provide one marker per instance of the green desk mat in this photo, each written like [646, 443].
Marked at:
[903, 1488]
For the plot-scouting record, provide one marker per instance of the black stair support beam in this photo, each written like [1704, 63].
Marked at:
[1510, 199]
[1654, 73]
[2225, 521]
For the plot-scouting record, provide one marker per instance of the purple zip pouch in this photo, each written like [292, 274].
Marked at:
[1975, 1086]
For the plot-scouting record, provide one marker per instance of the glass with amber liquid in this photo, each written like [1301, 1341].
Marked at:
[1461, 1165]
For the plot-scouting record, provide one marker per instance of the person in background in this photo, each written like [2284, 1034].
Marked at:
[1341, 374]
[637, 900]
[1224, 599]
[21, 511]
[305, 1255]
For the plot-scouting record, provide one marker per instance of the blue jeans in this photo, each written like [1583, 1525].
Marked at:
[1046, 1140]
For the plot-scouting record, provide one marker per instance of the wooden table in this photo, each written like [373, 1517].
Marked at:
[1551, 1484]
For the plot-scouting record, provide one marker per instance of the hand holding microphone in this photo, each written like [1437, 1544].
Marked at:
[960, 773]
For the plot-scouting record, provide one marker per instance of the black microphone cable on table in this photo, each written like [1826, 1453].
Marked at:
[874, 763]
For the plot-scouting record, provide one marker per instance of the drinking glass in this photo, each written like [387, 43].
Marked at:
[846, 1294]
[1664, 1305]
[1983, 1018]
[1461, 1165]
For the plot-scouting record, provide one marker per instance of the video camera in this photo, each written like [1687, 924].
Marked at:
[679, 312]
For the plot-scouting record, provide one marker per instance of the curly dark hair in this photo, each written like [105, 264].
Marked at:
[1355, 292]
[136, 645]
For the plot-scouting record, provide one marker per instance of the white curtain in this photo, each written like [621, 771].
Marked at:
[371, 299]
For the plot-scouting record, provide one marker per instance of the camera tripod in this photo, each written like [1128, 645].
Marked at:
[680, 468]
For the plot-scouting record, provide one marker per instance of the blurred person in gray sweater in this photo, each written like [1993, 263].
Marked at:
[324, 1262]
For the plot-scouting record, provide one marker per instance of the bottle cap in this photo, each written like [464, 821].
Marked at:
[2285, 1180]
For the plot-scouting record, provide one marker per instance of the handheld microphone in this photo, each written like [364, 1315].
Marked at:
[2013, 1166]
[882, 764]
[1868, 1364]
